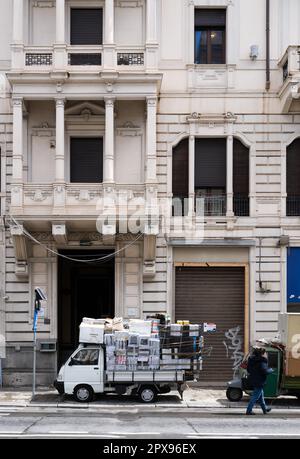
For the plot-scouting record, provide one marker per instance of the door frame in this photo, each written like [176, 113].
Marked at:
[188, 264]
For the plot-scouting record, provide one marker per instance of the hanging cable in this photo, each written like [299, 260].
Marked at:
[54, 252]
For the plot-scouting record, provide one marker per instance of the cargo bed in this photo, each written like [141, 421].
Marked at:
[145, 376]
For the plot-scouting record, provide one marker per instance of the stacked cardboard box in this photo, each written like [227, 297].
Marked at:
[152, 344]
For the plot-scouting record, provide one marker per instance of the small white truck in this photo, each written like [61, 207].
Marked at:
[84, 374]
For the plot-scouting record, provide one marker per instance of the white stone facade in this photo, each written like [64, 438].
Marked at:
[142, 110]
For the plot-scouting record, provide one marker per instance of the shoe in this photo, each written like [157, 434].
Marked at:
[267, 410]
[250, 413]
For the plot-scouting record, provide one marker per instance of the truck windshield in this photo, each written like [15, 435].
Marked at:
[86, 357]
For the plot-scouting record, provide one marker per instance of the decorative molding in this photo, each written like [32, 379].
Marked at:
[151, 101]
[211, 119]
[128, 129]
[43, 4]
[60, 102]
[44, 130]
[85, 109]
[129, 3]
[109, 87]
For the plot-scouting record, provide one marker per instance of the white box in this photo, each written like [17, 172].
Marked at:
[141, 327]
[91, 333]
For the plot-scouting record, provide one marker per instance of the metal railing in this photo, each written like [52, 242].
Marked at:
[293, 206]
[213, 205]
[130, 59]
[39, 59]
[241, 205]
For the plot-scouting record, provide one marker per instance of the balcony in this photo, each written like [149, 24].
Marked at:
[289, 92]
[78, 200]
[41, 59]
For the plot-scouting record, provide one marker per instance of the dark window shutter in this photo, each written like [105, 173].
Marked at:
[86, 160]
[210, 163]
[293, 168]
[210, 17]
[180, 170]
[240, 168]
[86, 26]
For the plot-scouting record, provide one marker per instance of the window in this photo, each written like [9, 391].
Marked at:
[240, 179]
[86, 357]
[87, 159]
[210, 174]
[180, 176]
[293, 284]
[86, 26]
[293, 179]
[210, 36]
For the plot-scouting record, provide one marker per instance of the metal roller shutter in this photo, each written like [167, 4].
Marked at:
[214, 294]
[86, 26]
[86, 160]
[210, 163]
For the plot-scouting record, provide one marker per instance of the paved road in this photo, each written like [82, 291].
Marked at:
[171, 424]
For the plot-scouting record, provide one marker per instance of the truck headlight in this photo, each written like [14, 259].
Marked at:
[59, 377]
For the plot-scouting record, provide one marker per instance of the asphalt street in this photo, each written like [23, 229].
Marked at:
[143, 424]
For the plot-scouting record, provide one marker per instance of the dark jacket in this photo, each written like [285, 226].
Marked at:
[258, 370]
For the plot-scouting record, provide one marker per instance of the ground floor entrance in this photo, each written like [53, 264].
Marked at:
[215, 294]
[85, 289]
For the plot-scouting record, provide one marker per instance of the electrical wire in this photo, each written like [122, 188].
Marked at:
[54, 252]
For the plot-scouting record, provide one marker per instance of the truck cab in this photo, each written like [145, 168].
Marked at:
[83, 373]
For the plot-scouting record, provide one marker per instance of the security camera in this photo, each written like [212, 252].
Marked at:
[39, 294]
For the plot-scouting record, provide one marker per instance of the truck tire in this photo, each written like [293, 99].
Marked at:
[234, 394]
[148, 394]
[83, 393]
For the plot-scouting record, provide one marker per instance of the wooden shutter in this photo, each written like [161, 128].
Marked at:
[210, 163]
[210, 17]
[86, 160]
[86, 26]
[215, 294]
[293, 168]
[180, 170]
[240, 168]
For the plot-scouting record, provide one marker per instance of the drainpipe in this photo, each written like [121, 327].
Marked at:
[268, 82]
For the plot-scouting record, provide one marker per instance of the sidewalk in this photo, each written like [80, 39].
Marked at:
[193, 398]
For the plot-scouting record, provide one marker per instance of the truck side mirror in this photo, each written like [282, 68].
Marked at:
[71, 363]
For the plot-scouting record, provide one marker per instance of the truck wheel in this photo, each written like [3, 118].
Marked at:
[234, 394]
[83, 393]
[148, 394]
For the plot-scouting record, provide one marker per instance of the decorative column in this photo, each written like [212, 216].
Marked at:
[151, 35]
[60, 185]
[18, 35]
[191, 175]
[60, 141]
[60, 47]
[151, 141]
[17, 168]
[229, 175]
[109, 35]
[109, 153]
[283, 181]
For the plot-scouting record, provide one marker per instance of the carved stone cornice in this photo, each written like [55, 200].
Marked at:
[211, 118]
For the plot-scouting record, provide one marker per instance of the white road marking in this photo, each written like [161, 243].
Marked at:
[251, 434]
[45, 435]
[63, 432]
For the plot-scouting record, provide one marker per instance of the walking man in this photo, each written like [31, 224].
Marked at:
[258, 370]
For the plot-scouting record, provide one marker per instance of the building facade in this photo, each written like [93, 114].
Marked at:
[110, 108]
